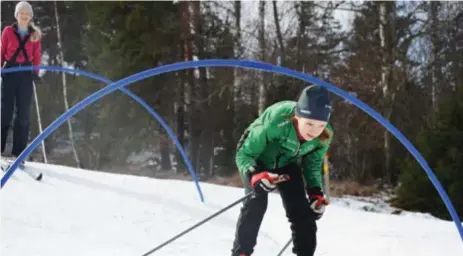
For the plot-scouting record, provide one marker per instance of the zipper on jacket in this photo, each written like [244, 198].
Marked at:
[298, 149]
[297, 152]
[277, 158]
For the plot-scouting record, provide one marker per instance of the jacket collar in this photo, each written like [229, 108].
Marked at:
[30, 29]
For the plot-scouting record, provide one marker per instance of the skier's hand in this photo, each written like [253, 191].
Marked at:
[317, 202]
[265, 182]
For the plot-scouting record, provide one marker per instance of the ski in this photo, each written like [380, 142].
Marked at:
[7, 163]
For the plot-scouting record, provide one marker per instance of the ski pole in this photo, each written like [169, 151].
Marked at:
[284, 247]
[39, 120]
[200, 223]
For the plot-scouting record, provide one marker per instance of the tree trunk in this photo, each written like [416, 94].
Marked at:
[238, 49]
[180, 105]
[279, 35]
[193, 142]
[232, 131]
[207, 124]
[262, 85]
[63, 76]
[301, 42]
[164, 141]
[435, 67]
[389, 81]
[384, 78]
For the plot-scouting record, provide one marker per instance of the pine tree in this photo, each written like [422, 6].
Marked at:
[121, 39]
[441, 146]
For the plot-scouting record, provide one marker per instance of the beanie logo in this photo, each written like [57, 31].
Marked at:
[306, 111]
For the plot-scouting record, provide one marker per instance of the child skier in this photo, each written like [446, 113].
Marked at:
[290, 139]
[20, 46]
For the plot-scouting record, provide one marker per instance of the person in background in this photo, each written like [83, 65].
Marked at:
[284, 148]
[20, 46]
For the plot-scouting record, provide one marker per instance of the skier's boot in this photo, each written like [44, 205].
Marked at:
[11, 158]
[240, 254]
[22, 164]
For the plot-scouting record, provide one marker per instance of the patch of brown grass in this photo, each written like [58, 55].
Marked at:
[337, 188]
[340, 188]
[232, 181]
[172, 176]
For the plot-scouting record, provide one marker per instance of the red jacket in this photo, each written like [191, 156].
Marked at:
[10, 43]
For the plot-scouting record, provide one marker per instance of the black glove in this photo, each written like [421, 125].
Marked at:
[317, 201]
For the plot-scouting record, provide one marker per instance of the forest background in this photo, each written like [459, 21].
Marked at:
[404, 59]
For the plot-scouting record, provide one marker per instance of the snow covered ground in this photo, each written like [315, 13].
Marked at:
[76, 212]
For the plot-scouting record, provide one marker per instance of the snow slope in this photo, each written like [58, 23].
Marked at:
[76, 212]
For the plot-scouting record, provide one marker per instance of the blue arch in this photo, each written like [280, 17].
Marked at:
[131, 94]
[262, 66]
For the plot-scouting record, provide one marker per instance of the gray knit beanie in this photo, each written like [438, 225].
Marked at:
[23, 5]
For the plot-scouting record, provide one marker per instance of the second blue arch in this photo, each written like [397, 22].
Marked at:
[137, 99]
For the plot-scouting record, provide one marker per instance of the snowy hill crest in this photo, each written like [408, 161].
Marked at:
[78, 212]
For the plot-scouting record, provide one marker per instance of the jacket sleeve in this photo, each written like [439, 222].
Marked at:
[312, 165]
[255, 140]
[37, 56]
[4, 45]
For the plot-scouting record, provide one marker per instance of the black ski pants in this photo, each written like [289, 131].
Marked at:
[17, 89]
[302, 221]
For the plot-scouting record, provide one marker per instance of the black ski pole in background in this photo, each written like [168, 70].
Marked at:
[200, 223]
[284, 247]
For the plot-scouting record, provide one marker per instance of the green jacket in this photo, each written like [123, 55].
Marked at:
[271, 142]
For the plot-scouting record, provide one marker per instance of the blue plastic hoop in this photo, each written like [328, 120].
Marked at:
[133, 96]
[262, 66]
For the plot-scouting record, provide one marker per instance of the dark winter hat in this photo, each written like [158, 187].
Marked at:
[314, 103]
